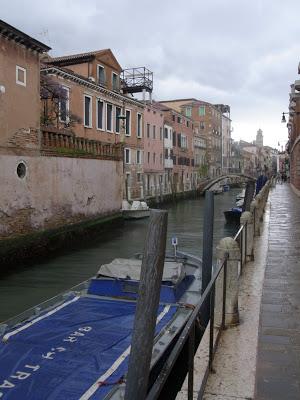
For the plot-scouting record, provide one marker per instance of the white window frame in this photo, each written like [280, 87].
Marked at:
[137, 125]
[112, 117]
[91, 111]
[139, 159]
[17, 80]
[183, 141]
[112, 81]
[67, 106]
[98, 81]
[128, 133]
[99, 100]
[129, 155]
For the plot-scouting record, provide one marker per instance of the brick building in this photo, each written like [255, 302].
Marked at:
[19, 88]
[294, 135]
[93, 107]
[183, 173]
[207, 118]
[153, 150]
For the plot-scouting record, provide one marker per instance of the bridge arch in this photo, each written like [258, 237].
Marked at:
[220, 178]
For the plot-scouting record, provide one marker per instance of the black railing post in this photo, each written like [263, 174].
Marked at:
[208, 228]
[224, 293]
[211, 328]
[191, 362]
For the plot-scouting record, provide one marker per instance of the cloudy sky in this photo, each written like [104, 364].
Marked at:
[237, 52]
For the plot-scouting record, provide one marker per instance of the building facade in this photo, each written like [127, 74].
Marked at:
[19, 88]
[153, 150]
[93, 107]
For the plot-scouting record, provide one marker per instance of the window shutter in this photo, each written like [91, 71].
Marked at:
[174, 139]
[179, 140]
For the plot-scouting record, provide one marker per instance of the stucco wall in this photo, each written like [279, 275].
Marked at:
[56, 191]
[19, 105]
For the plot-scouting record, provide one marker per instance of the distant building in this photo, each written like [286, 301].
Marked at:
[183, 173]
[259, 138]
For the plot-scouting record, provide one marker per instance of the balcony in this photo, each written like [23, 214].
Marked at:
[168, 163]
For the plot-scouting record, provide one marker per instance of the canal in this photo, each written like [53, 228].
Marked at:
[25, 288]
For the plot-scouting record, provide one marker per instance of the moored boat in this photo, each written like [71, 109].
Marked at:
[76, 345]
[136, 210]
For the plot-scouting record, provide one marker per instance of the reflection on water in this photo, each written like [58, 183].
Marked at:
[36, 283]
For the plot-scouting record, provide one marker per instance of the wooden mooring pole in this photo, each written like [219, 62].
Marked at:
[147, 306]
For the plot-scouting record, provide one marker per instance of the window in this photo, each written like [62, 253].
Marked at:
[127, 156]
[115, 81]
[179, 120]
[139, 126]
[184, 142]
[201, 111]
[148, 130]
[188, 111]
[109, 117]
[100, 114]
[101, 74]
[179, 140]
[64, 105]
[139, 177]
[154, 129]
[20, 76]
[87, 111]
[148, 157]
[174, 139]
[118, 113]
[173, 118]
[138, 157]
[161, 158]
[166, 153]
[187, 123]
[202, 125]
[128, 123]
[160, 133]
[166, 133]
[154, 158]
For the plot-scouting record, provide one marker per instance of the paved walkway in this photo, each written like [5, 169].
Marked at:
[278, 358]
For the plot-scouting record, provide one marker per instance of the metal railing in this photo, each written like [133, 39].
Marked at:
[188, 335]
[241, 238]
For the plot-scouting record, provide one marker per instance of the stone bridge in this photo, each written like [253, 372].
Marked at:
[227, 178]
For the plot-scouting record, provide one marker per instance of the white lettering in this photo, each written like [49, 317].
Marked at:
[48, 355]
[59, 349]
[85, 329]
[7, 385]
[70, 339]
[77, 334]
[33, 367]
[21, 375]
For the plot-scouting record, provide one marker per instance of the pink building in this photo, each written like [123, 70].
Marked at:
[153, 150]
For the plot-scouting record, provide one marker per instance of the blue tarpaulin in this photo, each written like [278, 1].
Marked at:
[61, 355]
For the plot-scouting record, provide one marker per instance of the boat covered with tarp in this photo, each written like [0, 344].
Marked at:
[76, 345]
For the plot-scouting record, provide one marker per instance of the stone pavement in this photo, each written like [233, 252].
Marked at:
[278, 358]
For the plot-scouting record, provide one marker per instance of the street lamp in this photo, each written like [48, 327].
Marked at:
[283, 120]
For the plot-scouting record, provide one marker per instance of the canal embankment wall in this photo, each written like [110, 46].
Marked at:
[46, 197]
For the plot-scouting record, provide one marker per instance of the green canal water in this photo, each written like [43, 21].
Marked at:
[40, 281]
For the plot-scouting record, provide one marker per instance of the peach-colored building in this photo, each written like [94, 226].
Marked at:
[19, 88]
[94, 107]
[153, 150]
